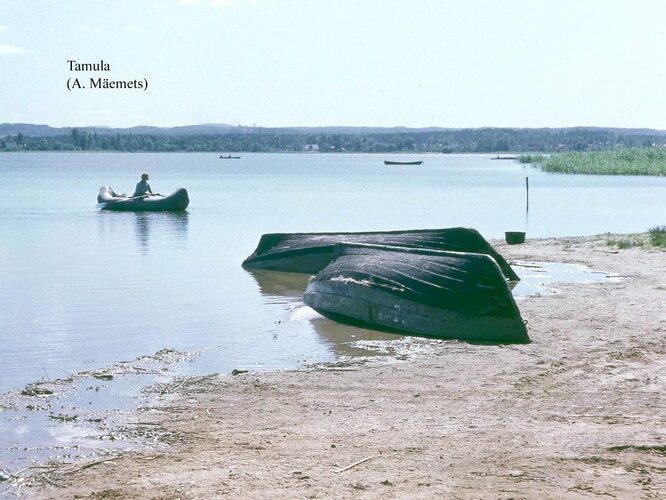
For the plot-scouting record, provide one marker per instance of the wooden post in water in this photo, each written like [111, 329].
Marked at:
[527, 194]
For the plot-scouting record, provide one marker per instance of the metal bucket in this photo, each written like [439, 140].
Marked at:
[514, 237]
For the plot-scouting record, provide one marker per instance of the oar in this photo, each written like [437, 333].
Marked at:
[132, 198]
[106, 203]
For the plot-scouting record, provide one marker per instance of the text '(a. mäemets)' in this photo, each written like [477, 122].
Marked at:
[99, 82]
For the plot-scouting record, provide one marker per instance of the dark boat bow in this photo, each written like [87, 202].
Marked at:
[420, 292]
[311, 252]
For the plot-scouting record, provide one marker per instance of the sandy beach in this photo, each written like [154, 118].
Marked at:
[578, 412]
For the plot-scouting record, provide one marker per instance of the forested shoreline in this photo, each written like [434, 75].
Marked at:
[249, 139]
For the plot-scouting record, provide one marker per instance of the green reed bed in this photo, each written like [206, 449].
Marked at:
[531, 158]
[639, 161]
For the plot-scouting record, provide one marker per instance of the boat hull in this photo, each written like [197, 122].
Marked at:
[450, 295]
[311, 252]
[175, 202]
[390, 162]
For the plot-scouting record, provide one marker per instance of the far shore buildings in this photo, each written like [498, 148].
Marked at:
[311, 148]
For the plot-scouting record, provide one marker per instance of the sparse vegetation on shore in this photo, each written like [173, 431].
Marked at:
[633, 161]
[655, 237]
[658, 236]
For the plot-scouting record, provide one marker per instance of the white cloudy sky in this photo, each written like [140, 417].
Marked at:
[520, 63]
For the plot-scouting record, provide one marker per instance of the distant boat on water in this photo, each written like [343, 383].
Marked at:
[229, 157]
[498, 157]
[391, 162]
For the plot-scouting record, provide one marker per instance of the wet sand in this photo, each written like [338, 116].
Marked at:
[579, 412]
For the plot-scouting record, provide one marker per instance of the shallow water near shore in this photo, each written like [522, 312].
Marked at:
[83, 289]
[90, 415]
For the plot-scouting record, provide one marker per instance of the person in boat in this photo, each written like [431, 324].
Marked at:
[143, 188]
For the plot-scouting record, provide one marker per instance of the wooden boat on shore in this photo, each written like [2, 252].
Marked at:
[453, 295]
[392, 162]
[311, 252]
[109, 200]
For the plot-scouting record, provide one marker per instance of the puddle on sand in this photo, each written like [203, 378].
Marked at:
[85, 416]
[538, 278]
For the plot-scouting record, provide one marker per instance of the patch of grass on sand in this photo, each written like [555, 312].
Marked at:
[598, 460]
[658, 236]
[660, 450]
[634, 161]
[655, 237]
[108, 494]
[624, 243]
[630, 241]
[63, 417]
[36, 390]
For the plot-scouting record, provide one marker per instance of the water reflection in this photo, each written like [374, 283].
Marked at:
[142, 230]
[538, 278]
[343, 338]
[165, 223]
[162, 224]
[279, 287]
[287, 288]
[114, 227]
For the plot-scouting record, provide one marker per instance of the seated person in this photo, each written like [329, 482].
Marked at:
[143, 188]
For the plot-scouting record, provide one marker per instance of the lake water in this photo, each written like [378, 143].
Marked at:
[81, 288]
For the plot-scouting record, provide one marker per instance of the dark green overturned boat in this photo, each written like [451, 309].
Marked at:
[311, 252]
[452, 295]
[175, 202]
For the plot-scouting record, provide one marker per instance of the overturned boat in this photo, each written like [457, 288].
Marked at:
[453, 295]
[110, 200]
[311, 252]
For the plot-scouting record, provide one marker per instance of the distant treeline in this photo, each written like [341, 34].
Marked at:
[483, 140]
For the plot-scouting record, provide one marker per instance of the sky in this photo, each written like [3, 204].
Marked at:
[279, 63]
